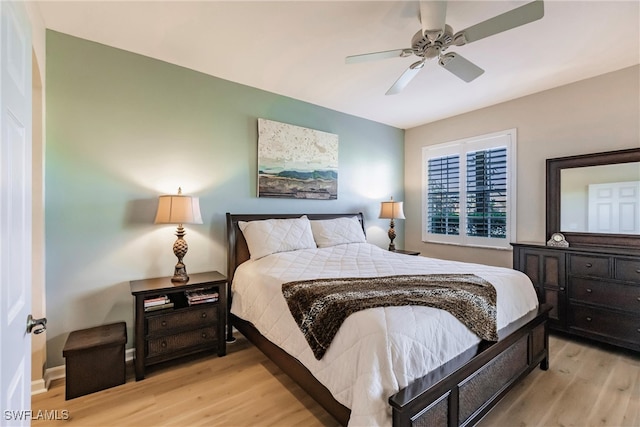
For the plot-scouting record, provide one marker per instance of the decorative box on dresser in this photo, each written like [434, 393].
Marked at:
[595, 291]
[181, 327]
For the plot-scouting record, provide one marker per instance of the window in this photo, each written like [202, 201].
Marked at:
[469, 196]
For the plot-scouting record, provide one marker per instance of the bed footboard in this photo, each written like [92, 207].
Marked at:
[463, 390]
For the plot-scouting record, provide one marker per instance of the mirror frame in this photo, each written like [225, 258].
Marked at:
[554, 167]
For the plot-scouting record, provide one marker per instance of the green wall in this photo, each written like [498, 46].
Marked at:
[122, 128]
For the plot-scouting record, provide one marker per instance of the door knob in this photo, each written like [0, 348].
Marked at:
[33, 323]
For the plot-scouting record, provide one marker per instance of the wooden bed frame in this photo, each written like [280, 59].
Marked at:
[458, 393]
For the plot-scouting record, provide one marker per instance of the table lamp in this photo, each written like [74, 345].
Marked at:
[391, 210]
[179, 209]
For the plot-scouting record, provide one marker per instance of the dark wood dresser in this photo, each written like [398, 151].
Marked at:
[595, 291]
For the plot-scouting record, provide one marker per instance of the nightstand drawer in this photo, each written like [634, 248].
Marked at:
[171, 343]
[589, 266]
[628, 269]
[610, 294]
[606, 323]
[193, 317]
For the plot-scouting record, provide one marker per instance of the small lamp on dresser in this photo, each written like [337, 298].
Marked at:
[179, 209]
[391, 210]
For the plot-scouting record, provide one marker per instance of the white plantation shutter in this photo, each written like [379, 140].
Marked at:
[443, 206]
[469, 196]
[487, 193]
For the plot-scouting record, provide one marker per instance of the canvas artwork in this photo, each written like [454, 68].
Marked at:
[296, 162]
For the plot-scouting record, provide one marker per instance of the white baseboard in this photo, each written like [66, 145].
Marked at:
[54, 373]
[129, 354]
[38, 386]
[57, 372]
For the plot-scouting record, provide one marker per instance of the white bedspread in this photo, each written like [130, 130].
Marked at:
[377, 351]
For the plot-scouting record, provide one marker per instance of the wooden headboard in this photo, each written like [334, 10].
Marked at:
[237, 250]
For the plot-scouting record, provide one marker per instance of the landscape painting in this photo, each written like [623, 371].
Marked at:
[296, 162]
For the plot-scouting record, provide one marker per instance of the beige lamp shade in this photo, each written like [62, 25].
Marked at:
[178, 209]
[391, 210]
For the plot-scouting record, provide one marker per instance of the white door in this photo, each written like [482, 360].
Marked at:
[15, 214]
[614, 207]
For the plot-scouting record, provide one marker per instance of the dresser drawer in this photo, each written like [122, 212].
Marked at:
[612, 325]
[610, 294]
[171, 343]
[627, 269]
[589, 266]
[195, 317]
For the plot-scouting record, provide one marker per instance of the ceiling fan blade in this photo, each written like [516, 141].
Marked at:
[461, 67]
[514, 18]
[405, 78]
[396, 53]
[432, 17]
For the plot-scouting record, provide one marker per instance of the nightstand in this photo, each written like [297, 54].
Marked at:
[400, 251]
[176, 319]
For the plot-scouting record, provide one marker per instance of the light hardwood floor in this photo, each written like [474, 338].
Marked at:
[586, 385]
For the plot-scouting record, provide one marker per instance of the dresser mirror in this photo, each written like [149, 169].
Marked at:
[594, 199]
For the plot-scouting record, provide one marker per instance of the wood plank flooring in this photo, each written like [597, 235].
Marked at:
[586, 385]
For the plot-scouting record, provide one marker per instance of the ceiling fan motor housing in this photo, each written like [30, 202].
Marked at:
[423, 47]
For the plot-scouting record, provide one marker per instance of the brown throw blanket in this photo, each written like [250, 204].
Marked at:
[320, 306]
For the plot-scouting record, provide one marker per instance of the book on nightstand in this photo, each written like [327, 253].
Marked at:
[201, 296]
[159, 307]
[157, 303]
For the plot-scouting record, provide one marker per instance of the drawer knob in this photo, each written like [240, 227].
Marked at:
[588, 319]
[163, 323]
[163, 344]
[203, 315]
[638, 271]
[588, 265]
[562, 288]
[204, 335]
[589, 291]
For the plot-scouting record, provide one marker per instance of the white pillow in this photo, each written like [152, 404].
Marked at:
[269, 236]
[338, 231]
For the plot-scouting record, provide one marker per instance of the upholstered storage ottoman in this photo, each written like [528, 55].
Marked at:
[94, 359]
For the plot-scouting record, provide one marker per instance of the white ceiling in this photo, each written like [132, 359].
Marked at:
[297, 48]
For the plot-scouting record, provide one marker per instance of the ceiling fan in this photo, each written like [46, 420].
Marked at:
[436, 37]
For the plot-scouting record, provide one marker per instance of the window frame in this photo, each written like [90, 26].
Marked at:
[506, 138]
